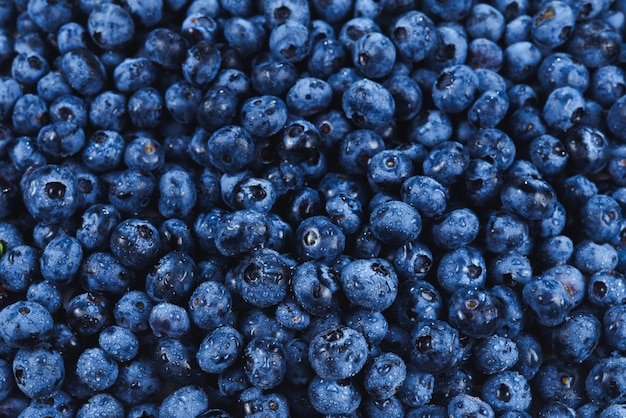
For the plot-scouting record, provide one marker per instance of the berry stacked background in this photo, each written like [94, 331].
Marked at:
[273, 208]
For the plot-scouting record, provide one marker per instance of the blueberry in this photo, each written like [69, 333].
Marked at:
[119, 343]
[454, 88]
[165, 47]
[264, 362]
[186, 401]
[434, 345]
[110, 26]
[88, 313]
[264, 115]
[474, 312]
[494, 354]
[368, 104]
[96, 369]
[25, 324]
[83, 71]
[463, 405]
[521, 60]
[19, 268]
[46, 294]
[132, 311]
[371, 284]
[333, 396]
[308, 96]
[460, 268]
[507, 391]
[49, 16]
[219, 349]
[605, 382]
[594, 43]
[563, 108]
[136, 382]
[553, 24]
[338, 353]
[605, 223]
[38, 371]
[108, 111]
[135, 243]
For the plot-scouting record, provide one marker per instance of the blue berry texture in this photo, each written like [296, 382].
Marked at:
[312, 207]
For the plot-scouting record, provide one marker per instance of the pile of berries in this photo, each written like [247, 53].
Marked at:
[334, 208]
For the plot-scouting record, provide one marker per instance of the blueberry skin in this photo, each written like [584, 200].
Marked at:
[172, 278]
[25, 324]
[182, 100]
[371, 284]
[446, 162]
[434, 346]
[103, 151]
[333, 396]
[563, 108]
[97, 223]
[262, 278]
[30, 113]
[413, 260]
[553, 24]
[219, 350]
[136, 382]
[577, 337]
[374, 55]
[308, 96]
[425, 194]
[507, 391]
[456, 229]
[384, 376]
[316, 287]
[132, 311]
[494, 354]
[463, 405]
[274, 77]
[231, 149]
[135, 243]
[594, 43]
[38, 371]
[264, 362]
[461, 268]
[46, 294]
[474, 312]
[368, 104]
[590, 257]
[241, 231]
[88, 313]
[338, 353]
[263, 116]
[326, 57]
[166, 48]
[245, 35]
[489, 109]
[174, 361]
[83, 71]
[177, 195]
[290, 41]
[505, 232]
[61, 260]
[39, 410]
[146, 409]
[108, 111]
[145, 108]
[547, 300]
[396, 222]
[529, 198]
[588, 149]
[19, 268]
[346, 212]
[29, 68]
[454, 88]
[601, 218]
[318, 239]
[605, 382]
[130, 191]
[352, 30]
[49, 16]
[101, 404]
[169, 320]
[606, 288]
[119, 343]
[102, 272]
[96, 369]
[417, 388]
[549, 155]
[133, 74]
[110, 26]
[530, 355]
[184, 402]
[521, 60]
[614, 118]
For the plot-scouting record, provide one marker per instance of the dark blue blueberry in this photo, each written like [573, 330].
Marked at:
[353, 29]
[446, 162]
[102, 272]
[590, 257]
[607, 85]
[489, 109]
[563, 108]
[529, 198]
[61, 260]
[148, 12]
[505, 232]
[38, 371]
[449, 11]
[521, 60]
[263, 116]
[317, 238]
[60, 139]
[133, 310]
[390, 407]
[559, 70]
[327, 57]
[10, 91]
[137, 381]
[130, 191]
[119, 343]
[184, 402]
[97, 223]
[166, 48]
[605, 381]
[291, 315]
[556, 250]
[484, 54]
[261, 278]
[485, 21]
[146, 410]
[601, 218]
[49, 16]
[277, 12]
[588, 149]
[175, 362]
[455, 229]
[273, 77]
[201, 63]
[29, 68]
[198, 26]
[290, 41]
[298, 372]
[255, 323]
[46, 294]
[461, 268]
[526, 124]
[368, 104]
[145, 108]
[530, 355]
[96, 369]
[19, 267]
[494, 354]
[210, 305]
[466, 405]
[371, 284]
[103, 151]
[241, 231]
[133, 74]
[425, 194]
[507, 391]
[245, 35]
[88, 313]
[177, 194]
[30, 113]
[388, 169]
[50, 193]
[24, 324]
[264, 362]
[384, 376]
[607, 287]
[474, 312]
[548, 154]
[169, 320]
[101, 404]
[136, 243]
[417, 388]
[110, 26]
[450, 48]
[433, 346]
[68, 108]
[395, 222]
[482, 182]
[83, 71]
[172, 278]
[108, 111]
[338, 353]
[308, 96]
[182, 100]
[316, 287]
[71, 35]
[577, 337]
[454, 88]
[333, 396]
[553, 24]
[345, 211]
[230, 149]
[594, 43]
[547, 299]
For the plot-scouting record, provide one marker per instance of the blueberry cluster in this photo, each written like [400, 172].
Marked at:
[334, 208]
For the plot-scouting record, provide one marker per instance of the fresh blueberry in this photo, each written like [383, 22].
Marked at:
[368, 104]
[333, 396]
[38, 371]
